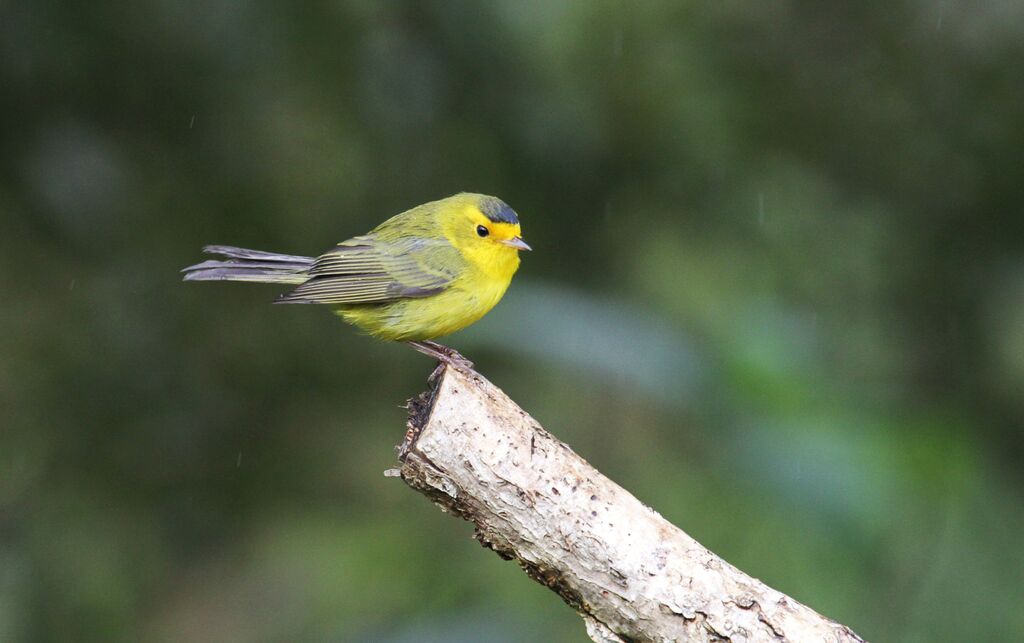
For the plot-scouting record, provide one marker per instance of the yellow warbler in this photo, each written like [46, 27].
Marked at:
[422, 274]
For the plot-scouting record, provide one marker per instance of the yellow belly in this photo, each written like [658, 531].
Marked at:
[468, 299]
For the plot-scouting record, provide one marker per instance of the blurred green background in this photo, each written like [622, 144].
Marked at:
[777, 292]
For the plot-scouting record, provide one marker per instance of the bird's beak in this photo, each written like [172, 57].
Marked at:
[517, 243]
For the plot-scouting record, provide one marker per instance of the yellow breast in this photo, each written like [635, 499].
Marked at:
[464, 302]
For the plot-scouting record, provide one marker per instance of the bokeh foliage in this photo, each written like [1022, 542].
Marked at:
[777, 292]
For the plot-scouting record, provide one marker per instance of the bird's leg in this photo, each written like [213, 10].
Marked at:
[442, 353]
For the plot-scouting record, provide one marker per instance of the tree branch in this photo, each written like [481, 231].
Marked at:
[631, 574]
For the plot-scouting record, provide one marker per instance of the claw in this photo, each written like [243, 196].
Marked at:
[443, 354]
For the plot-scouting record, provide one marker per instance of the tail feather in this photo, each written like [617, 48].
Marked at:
[250, 265]
[244, 253]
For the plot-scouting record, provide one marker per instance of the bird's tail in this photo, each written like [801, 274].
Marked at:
[250, 265]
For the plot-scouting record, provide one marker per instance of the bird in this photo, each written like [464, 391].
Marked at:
[422, 274]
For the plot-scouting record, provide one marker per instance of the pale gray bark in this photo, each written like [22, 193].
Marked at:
[631, 574]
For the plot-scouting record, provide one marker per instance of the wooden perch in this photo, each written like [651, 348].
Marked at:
[631, 574]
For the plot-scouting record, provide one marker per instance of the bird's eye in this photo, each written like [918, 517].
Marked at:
[482, 230]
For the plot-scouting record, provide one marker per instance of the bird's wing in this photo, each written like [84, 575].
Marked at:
[366, 269]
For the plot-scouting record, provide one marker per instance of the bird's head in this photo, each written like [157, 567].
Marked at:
[487, 231]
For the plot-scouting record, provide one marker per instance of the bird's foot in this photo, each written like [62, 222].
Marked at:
[443, 354]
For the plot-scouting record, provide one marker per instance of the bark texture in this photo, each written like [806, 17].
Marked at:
[631, 574]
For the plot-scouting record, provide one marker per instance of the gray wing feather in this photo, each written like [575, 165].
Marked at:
[366, 270]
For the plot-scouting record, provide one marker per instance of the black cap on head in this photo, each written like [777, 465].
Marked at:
[498, 211]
